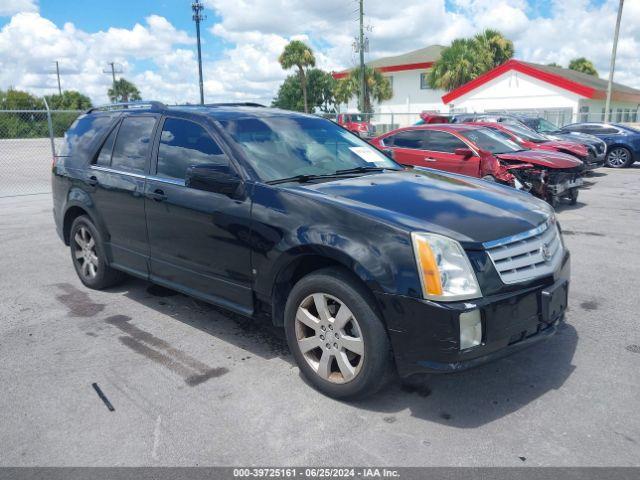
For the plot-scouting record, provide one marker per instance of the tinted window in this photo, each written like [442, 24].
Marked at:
[441, 141]
[182, 144]
[406, 139]
[573, 128]
[133, 143]
[80, 137]
[104, 157]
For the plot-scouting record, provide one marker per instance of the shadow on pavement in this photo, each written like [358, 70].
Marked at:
[463, 400]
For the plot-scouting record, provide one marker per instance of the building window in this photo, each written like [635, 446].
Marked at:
[619, 115]
[424, 82]
[584, 113]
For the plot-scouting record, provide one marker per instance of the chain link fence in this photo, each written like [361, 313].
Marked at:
[27, 140]
[380, 123]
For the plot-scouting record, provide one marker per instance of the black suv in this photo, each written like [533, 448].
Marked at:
[289, 216]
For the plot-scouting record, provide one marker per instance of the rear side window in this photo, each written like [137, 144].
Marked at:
[79, 139]
[406, 139]
[104, 156]
[441, 142]
[184, 143]
[132, 144]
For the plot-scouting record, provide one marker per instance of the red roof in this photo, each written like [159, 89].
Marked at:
[579, 83]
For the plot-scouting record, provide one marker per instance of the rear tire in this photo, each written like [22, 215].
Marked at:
[619, 157]
[573, 196]
[336, 337]
[88, 256]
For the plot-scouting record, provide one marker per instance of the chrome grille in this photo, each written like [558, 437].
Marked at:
[528, 255]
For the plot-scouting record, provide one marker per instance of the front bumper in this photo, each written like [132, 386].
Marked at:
[562, 187]
[594, 162]
[425, 335]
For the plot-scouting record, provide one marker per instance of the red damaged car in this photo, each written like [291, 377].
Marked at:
[356, 123]
[528, 138]
[477, 151]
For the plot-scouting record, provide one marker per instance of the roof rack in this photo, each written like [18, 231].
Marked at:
[143, 104]
[235, 104]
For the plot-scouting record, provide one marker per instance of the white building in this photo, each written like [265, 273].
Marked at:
[559, 94]
[407, 74]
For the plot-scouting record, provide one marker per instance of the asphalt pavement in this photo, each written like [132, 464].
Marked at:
[192, 385]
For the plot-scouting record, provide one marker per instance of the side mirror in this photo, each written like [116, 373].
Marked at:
[213, 178]
[388, 152]
[463, 152]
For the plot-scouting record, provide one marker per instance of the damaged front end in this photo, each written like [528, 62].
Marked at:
[545, 182]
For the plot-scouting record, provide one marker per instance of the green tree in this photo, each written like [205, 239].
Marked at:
[493, 49]
[297, 54]
[583, 65]
[123, 91]
[377, 88]
[320, 86]
[468, 58]
[69, 100]
[18, 100]
[554, 64]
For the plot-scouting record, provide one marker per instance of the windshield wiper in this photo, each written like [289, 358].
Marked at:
[360, 170]
[296, 178]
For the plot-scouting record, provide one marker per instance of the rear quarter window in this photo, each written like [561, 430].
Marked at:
[84, 134]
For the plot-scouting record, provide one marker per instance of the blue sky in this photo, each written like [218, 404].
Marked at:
[154, 40]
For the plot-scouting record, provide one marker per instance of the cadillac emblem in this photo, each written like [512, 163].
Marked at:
[544, 251]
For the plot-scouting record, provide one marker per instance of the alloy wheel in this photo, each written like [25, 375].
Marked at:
[85, 253]
[618, 157]
[329, 338]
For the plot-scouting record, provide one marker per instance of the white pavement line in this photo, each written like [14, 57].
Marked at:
[156, 438]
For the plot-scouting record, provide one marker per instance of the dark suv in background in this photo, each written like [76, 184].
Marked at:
[276, 214]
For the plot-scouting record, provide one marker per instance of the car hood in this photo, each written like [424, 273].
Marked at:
[543, 158]
[470, 210]
[583, 138]
[574, 147]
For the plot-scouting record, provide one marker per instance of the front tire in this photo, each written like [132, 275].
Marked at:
[88, 256]
[619, 157]
[337, 338]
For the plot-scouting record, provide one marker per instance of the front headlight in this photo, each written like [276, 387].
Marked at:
[444, 268]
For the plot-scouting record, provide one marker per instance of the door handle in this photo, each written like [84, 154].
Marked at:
[429, 159]
[158, 195]
[92, 180]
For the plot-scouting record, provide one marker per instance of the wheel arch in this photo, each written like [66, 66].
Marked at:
[303, 261]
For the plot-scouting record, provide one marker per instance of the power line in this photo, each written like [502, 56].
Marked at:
[197, 8]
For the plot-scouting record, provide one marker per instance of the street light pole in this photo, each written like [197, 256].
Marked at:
[197, 8]
[612, 66]
[58, 74]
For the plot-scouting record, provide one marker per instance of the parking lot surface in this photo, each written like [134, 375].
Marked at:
[192, 385]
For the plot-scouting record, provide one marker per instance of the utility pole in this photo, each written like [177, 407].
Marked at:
[361, 47]
[612, 66]
[197, 8]
[58, 74]
[115, 68]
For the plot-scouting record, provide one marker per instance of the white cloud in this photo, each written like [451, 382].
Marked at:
[253, 33]
[11, 7]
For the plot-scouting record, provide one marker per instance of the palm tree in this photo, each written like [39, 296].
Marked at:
[468, 58]
[377, 88]
[493, 49]
[123, 91]
[583, 65]
[456, 66]
[298, 54]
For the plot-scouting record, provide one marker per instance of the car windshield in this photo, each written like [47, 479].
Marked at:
[280, 147]
[487, 139]
[525, 133]
[353, 117]
[545, 126]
